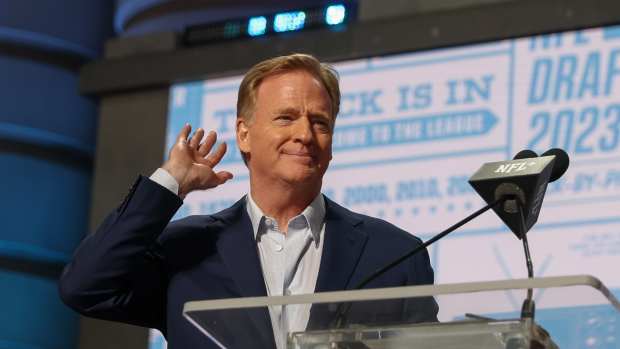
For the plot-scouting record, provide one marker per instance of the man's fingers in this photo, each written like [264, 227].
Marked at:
[217, 178]
[182, 138]
[223, 176]
[196, 138]
[210, 140]
[217, 155]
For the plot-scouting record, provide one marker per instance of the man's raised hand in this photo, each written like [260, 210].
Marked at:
[190, 163]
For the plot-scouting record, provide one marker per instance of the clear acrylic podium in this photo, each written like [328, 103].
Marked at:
[571, 312]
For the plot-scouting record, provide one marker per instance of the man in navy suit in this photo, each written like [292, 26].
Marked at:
[284, 237]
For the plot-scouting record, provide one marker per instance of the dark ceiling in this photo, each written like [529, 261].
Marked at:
[175, 15]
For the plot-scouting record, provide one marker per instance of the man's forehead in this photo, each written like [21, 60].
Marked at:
[288, 84]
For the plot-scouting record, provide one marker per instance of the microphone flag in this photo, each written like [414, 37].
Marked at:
[524, 180]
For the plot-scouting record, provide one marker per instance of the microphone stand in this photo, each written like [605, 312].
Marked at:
[541, 338]
[343, 308]
[528, 309]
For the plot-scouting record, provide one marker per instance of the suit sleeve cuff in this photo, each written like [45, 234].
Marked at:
[165, 179]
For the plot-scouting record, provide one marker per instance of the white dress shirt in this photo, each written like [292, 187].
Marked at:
[290, 262]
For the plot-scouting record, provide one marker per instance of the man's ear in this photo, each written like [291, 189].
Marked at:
[243, 135]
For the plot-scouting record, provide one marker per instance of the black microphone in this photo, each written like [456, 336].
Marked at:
[560, 165]
[525, 154]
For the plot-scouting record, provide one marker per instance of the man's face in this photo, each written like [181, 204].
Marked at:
[289, 137]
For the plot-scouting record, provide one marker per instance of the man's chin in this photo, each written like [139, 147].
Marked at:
[306, 175]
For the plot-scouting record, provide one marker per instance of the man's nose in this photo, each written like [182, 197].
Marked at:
[303, 130]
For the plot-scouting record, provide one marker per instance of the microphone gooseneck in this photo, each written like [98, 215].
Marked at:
[343, 308]
[528, 307]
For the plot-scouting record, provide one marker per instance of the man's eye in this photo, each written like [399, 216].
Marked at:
[321, 121]
[284, 118]
[322, 125]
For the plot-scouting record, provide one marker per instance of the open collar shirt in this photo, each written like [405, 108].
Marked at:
[290, 262]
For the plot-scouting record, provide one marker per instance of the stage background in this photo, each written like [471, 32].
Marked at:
[414, 127]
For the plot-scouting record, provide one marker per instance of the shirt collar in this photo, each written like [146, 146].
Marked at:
[314, 214]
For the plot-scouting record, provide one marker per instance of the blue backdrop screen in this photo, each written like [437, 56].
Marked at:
[414, 127]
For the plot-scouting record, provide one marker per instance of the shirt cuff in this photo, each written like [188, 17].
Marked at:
[165, 179]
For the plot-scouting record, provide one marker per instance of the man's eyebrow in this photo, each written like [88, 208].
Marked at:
[296, 112]
[320, 114]
[288, 110]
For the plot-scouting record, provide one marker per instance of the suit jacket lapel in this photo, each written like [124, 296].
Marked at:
[342, 249]
[238, 250]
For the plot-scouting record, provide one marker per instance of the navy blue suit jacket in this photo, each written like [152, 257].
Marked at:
[140, 269]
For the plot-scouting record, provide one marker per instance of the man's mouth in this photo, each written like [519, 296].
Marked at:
[300, 154]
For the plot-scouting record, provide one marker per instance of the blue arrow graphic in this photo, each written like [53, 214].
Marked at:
[438, 127]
